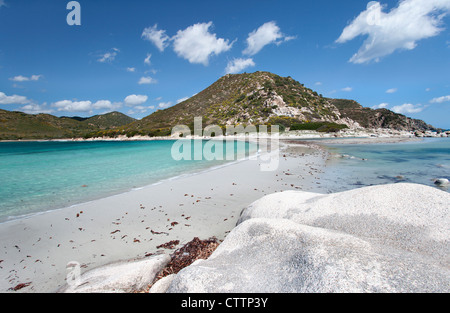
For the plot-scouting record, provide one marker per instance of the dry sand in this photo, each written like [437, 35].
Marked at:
[36, 250]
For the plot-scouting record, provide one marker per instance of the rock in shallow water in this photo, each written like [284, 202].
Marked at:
[391, 238]
[442, 182]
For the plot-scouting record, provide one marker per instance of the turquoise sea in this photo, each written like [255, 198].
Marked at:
[355, 165]
[42, 176]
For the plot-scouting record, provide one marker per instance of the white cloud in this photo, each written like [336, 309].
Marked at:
[14, 99]
[196, 44]
[147, 59]
[318, 84]
[141, 109]
[266, 34]
[165, 105]
[21, 78]
[408, 108]
[73, 106]
[157, 37]
[440, 99]
[131, 69]
[133, 100]
[147, 80]
[182, 99]
[85, 106]
[347, 89]
[109, 56]
[35, 77]
[35, 109]
[392, 90]
[106, 105]
[237, 65]
[400, 29]
[2, 3]
[380, 106]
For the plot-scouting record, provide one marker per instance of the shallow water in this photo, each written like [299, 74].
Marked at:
[357, 165]
[41, 176]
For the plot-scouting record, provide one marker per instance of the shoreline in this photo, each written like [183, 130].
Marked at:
[381, 133]
[131, 225]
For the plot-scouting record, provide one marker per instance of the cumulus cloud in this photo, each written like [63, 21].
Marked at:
[106, 105]
[408, 108]
[134, 100]
[141, 109]
[157, 37]
[347, 89]
[380, 106]
[131, 69]
[165, 105]
[33, 108]
[147, 59]
[237, 65]
[440, 99]
[73, 106]
[196, 44]
[14, 99]
[21, 78]
[266, 34]
[399, 29]
[109, 56]
[392, 90]
[147, 80]
[85, 106]
[182, 99]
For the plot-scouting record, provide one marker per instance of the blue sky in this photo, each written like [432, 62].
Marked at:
[140, 56]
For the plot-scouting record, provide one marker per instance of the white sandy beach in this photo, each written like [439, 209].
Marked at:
[37, 249]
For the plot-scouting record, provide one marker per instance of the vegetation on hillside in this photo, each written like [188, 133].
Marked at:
[253, 98]
[380, 118]
[18, 125]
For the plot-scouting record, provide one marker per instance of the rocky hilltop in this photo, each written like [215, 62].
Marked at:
[265, 98]
[380, 118]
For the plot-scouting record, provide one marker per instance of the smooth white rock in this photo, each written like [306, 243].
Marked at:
[390, 238]
[162, 285]
[120, 277]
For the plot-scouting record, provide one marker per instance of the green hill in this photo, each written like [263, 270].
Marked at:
[18, 125]
[109, 120]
